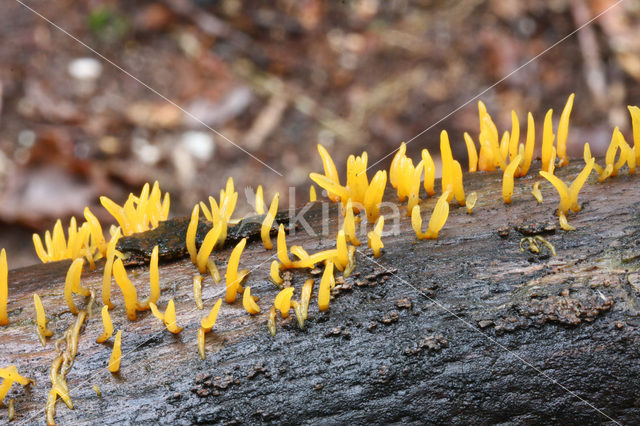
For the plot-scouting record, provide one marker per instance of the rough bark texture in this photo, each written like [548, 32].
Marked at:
[464, 329]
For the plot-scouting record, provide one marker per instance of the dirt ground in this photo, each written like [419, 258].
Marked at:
[275, 79]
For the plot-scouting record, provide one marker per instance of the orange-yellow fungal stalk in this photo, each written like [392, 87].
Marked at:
[321, 256]
[429, 172]
[207, 246]
[374, 193]
[233, 279]
[9, 376]
[168, 317]
[222, 210]
[213, 270]
[330, 170]
[504, 145]
[451, 171]
[349, 225]
[282, 251]
[282, 301]
[95, 229]
[249, 303]
[507, 179]
[275, 273]
[108, 266]
[471, 202]
[267, 223]
[58, 247]
[41, 320]
[563, 131]
[393, 170]
[436, 222]
[564, 224]
[374, 238]
[128, 289]
[271, 321]
[305, 297]
[154, 276]
[206, 324]
[139, 214]
[197, 291]
[634, 111]
[342, 258]
[116, 353]
[191, 234]
[259, 200]
[547, 142]
[471, 152]
[409, 182]
[529, 146]
[324, 294]
[72, 284]
[536, 192]
[312, 194]
[515, 136]
[107, 324]
[4, 288]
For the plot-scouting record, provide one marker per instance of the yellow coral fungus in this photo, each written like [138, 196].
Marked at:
[312, 194]
[128, 290]
[249, 303]
[324, 293]
[349, 225]
[429, 172]
[342, 258]
[536, 192]
[436, 222]
[154, 277]
[259, 208]
[275, 273]
[451, 172]
[208, 243]
[564, 224]
[267, 223]
[10, 375]
[271, 321]
[375, 192]
[547, 142]
[374, 238]
[395, 163]
[471, 152]
[529, 146]
[139, 214]
[305, 297]
[116, 353]
[58, 247]
[107, 325]
[106, 278]
[192, 229]
[233, 279]
[471, 202]
[41, 319]
[515, 136]
[507, 179]
[213, 270]
[209, 321]
[197, 291]
[283, 252]
[96, 232]
[330, 170]
[72, 284]
[4, 288]
[282, 301]
[168, 317]
[563, 130]
[634, 111]
[321, 256]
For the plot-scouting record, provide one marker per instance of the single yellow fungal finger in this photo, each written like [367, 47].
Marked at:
[259, 200]
[197, 291]
[330, 170]
[375, 192]
[438, 217]
[578, 182]
[352, 262]
[536, 192]
[128, 290]
[107, 324]
[206, 248]
[116, 353]
[563, 130]
[96, 231]
[564, 224]
[342, 258]
[515, 136]
[297, 308]
[429, 172]
[393, 170]
[4, 288]
[471, 152]
[282, 301]
[471, 202]
[233, 281]
[374, 238]
[563, 191]
[249, 304]
[267, 223]
[72, 283]
[416, 222]
[213, 270]
[97, 390]
[41, 320]
[191, 234]
[312, 194]
[504, 146]
[324, 293]
[305, 297]
[275, 273]
[209, 321]
[321, 256]
[154, 277]
[529, 147]
[43, 255]
[507, 179]
[11, 411]
[634, 111]
[335, 190]
[170, 318]
[282, 251]
[350, 225]
[271, 321]
[547, 140]
[108, 266]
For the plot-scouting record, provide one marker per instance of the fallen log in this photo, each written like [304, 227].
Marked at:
[462, 329]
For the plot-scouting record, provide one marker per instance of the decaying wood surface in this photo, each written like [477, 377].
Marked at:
[465, 329]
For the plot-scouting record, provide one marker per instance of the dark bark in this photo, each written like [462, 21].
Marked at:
[464, 329]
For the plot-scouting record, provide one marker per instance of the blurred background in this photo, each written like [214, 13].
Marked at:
[277, 78]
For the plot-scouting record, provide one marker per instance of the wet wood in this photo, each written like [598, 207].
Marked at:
[464, 329]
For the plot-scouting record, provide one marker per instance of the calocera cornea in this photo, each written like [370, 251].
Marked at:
[95, 229]
[106, 324]
[259, 203]
[313, 196]
[267, 223]
[129, 292]
[342, 258]
[526, 151]
[58, 247]
[214, 271]
[168, 317]
[271, 320]
[108, 267]
[374, 238]
[154, 282]
[471, 202]
[206, 324]
[634, 111]
[330, 170]
[451, 171]
[41, 320]
[535, 191]
[507, 179]
[249, 303]
[4, 288]
[116, 353]
[232, 276]
[282, 302]
[222, 210]
[436, 222]
[429, 173]
[326, 284]
[373, 195]
[394, 168]
[191, 234]
[349, 225]
[282, 251]
[547, 143]
[305, 297]
[275, 273]
[197, 291]
[72, 284]
[563, 131]
[472, 153]
[209, 242]
[10, 376]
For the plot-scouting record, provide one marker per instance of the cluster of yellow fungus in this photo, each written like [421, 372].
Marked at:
[626, 156]
[221, 211]
[72, 285]
[206, 324]
[436, 222]
[168, 317]
[75, 245]
[358, 189]
[139, 214]
[406, 178]
[10, 376]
